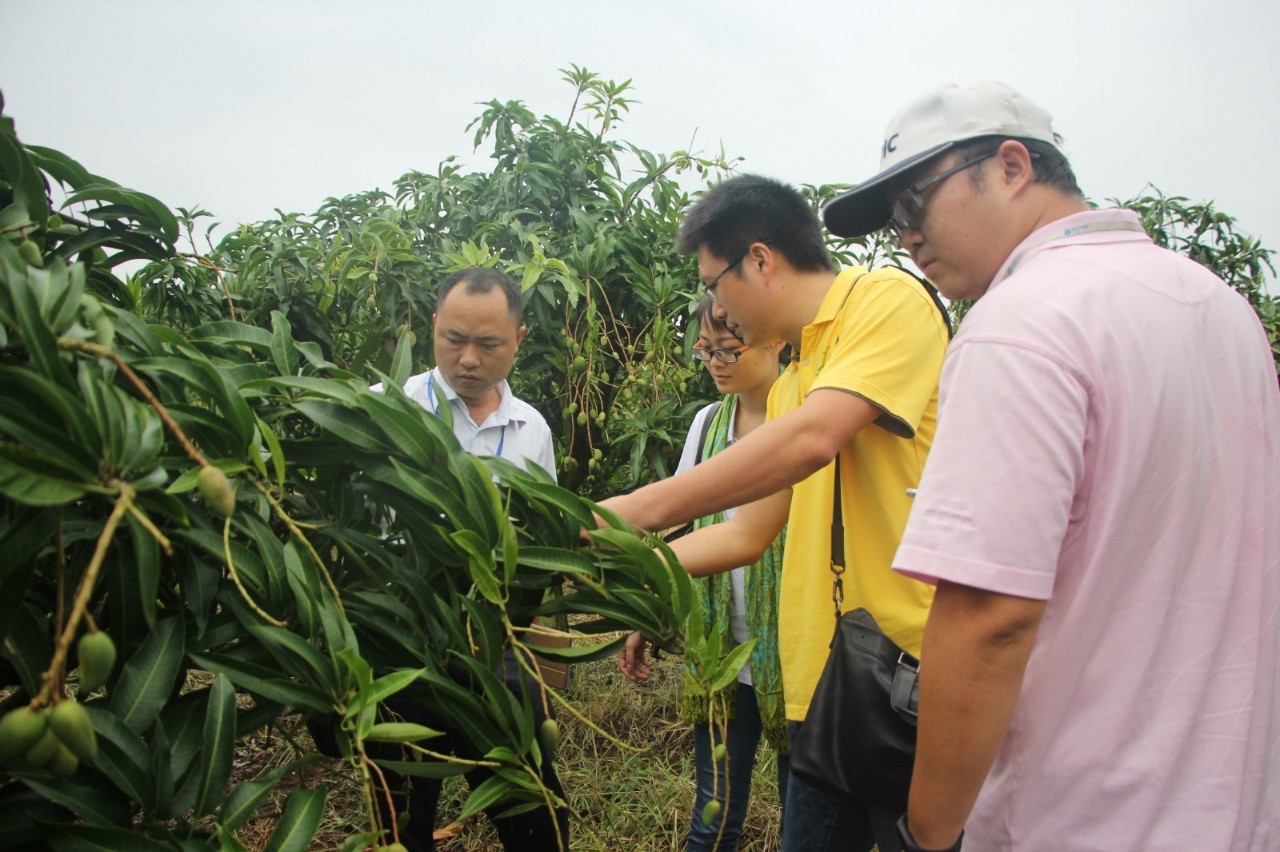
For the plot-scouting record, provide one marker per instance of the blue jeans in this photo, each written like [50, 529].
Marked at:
[814, 820]
[741, 741]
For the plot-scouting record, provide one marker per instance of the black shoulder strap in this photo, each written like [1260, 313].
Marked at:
[706, 427]
[937, 300]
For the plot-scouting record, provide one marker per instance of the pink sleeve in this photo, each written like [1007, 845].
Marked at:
[1000, 484]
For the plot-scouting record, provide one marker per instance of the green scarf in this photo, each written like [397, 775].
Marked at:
[715, 593]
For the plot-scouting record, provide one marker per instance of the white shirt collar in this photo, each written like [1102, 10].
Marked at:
[503, 415]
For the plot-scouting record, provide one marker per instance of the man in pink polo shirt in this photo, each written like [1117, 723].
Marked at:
[1100, 510]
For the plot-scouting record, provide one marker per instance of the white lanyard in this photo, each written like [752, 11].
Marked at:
[1073, 231]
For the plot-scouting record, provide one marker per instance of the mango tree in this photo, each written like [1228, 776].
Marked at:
[203, 526]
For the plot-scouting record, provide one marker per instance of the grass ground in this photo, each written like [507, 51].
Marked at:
[621, 800]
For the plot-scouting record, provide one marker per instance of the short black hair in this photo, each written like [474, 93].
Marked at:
[704, 311]
[747, 209]
[1049, 163]
[482, 279]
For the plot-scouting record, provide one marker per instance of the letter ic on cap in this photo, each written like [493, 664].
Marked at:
[890, 145]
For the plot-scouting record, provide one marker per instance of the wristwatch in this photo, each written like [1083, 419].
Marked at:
[909, 843]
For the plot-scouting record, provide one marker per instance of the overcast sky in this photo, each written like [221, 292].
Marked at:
[244, 106]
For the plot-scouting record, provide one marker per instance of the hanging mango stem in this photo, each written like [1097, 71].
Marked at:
[235, 578]
[300, 536]
[51, 677]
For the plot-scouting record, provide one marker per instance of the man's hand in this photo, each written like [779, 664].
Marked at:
[631, 659]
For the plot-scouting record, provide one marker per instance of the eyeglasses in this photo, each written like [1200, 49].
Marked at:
[724, 356]
[908, 207]
[711, 285]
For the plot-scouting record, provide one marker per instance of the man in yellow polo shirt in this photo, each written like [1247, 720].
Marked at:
[868, 350]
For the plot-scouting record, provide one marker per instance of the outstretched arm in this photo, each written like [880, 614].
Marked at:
[774, 457]
[741, 540]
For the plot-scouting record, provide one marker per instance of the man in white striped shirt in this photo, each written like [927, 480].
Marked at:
[477, 334]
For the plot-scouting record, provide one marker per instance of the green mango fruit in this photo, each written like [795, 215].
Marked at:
[104, 331]
[710, 812]
[19, 730]
[719, 753]
[30, 252]
[70, 721]
[215, 488]
[96, 654]
[549, 737]
[42, 752]
[63, 764]
[91, 307]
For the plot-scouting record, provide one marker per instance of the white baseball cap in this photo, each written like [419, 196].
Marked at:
[933, 123]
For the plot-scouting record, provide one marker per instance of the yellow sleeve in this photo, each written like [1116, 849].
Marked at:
[889, 349]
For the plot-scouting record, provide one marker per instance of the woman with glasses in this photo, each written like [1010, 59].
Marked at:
[741, 604]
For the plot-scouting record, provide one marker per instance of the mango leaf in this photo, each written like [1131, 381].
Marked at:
[29, 392]
[555, 559]
[266, 682]
[346, 424]
[24, 534]
[510, 547]
[732, 663]
[122, 756]
[145, 209]
[282, 351]
[27, 646]
[273, 447]
[90, 798]
[242, 802]
[21, 174]
[405, 428]
[290, 650]
[36, 481]
[298, 823]
[227, 841]
[66, 837]
[61, 167]
[36, 333]
[425, 768]
[480, 564]
[486, 795]
[219, 744]
[481, 493]
[402, 361]
[146, 681]
[146, 564]
[389, 684]
[235, 334]
[579, 652]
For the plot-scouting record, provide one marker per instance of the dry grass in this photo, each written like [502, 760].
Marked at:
[621, 799]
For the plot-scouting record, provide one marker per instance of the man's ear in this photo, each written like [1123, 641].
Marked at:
[762, 257]
[520, 336]
[1016, 169]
